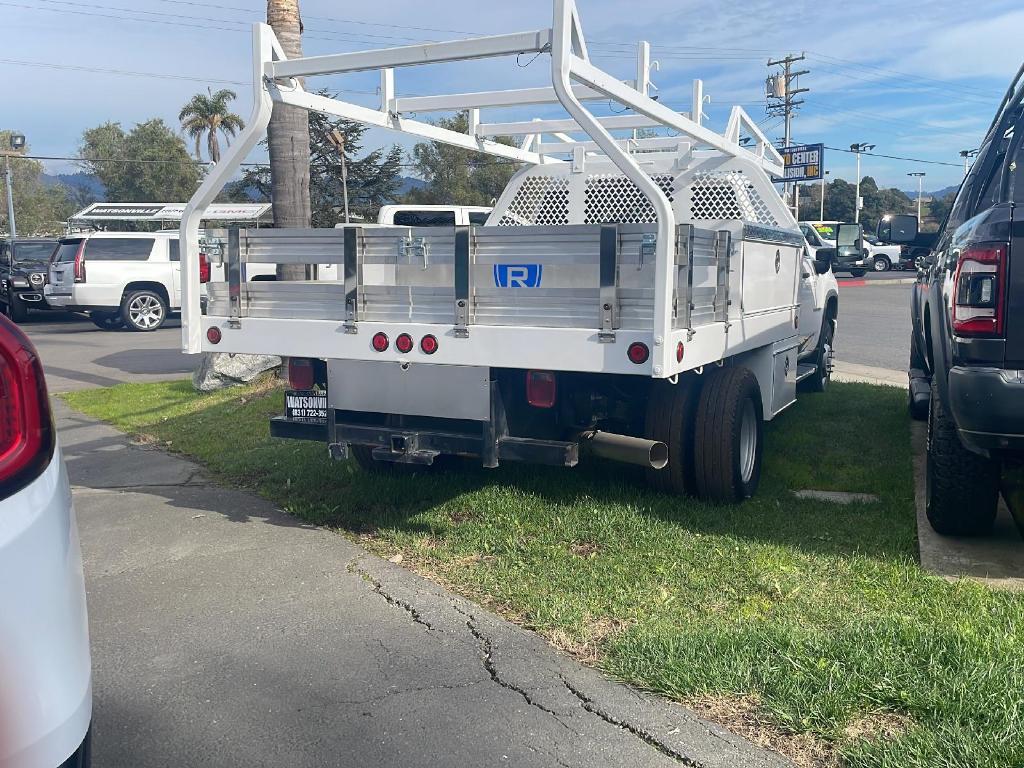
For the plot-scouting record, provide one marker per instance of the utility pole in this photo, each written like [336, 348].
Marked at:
[920, 189]
[782, 102]
[823, 175]
[857, 149]
[967, 154]
[17, 144]
[337, 138]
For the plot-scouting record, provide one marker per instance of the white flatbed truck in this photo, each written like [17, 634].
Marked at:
[648, 300]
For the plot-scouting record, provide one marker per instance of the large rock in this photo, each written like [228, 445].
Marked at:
[218, 370]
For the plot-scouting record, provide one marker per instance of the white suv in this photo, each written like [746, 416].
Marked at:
[45, 669]
[119, 278]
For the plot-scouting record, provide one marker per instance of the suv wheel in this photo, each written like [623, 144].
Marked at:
[15, 308]
[108, 321]
[961, 487]
[144, 310]
[882, 264]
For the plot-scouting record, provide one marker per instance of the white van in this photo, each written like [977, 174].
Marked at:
[124, 279]
[433, 215]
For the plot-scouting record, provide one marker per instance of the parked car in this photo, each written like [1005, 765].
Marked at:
[125, 279]
[885, 257]
[855, 261]
[432, 215]
[966, 367]
[45, 669]
[23, 266]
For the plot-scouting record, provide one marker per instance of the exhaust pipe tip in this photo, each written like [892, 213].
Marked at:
[659, 456]
[628, 449]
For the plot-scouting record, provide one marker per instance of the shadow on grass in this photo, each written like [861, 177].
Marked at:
[854, 438]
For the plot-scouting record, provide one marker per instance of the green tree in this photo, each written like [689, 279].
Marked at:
[937, 210]
[372, 178]
[207, 115]
[39, 208]
[150, 163]
[457, 176]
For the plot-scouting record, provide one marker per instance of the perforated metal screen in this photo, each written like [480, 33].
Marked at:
[614, 199]
[727, 195]
[540, 201]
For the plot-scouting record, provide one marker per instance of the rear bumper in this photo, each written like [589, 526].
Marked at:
[84, 296]
[421, 446]
[988, 407]
[45, 694]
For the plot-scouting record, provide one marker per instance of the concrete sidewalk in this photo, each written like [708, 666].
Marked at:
[226, 633]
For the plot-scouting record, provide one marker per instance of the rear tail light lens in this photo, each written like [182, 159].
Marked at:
[80, 263]
[300, 373]
[404, 343]
[541, 389]
[638, 353]
[680, 351]
[26, 424]
[979, 291]
[380, 342]
[213, 335]
[204, 268]
[429, 344]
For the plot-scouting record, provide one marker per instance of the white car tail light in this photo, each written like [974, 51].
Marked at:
[26, 422]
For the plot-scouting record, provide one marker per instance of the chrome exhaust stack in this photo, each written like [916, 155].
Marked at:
[626, 449]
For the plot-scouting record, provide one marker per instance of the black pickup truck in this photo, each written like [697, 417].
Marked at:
[967, 347]
[23, 267]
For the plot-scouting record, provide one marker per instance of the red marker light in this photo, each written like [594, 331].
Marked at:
[380, 342]
[680, 350]
[404, 343]
[213, 335]
[429, 344]
[638, 353]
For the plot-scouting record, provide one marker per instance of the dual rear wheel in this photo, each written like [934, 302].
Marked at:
[714, 428]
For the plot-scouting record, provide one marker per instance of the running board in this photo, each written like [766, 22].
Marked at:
[805, 371]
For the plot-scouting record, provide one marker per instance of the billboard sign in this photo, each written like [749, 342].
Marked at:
[804, 162]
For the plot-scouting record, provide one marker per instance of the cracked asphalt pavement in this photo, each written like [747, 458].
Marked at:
[227, 633]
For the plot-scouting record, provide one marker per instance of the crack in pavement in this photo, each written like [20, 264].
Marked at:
[378, 588]
[588, 704]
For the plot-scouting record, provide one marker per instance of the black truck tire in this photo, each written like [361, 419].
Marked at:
[107, 321]
[823, 359]
[671, 419]
[858, 272]
[729, 436]
[16, 309]
[961, 487]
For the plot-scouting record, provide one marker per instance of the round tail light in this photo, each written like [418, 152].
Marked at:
[638, 353]
[213, 335]
[429, 344]
[380, 342]
[680, 351]
[404, 343]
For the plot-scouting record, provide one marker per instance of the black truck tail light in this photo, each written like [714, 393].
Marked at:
[979, 291]
[541, 389]
[301, 374]
[26, 422]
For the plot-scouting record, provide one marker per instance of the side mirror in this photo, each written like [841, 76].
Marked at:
[823, 266]
[898, 229]
[849, 239]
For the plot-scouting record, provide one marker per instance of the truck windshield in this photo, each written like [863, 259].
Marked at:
[33, 251]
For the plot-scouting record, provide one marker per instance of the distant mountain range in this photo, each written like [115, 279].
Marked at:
[939, 194]
[86, 182]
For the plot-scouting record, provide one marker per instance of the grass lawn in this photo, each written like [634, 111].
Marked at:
[805, 618]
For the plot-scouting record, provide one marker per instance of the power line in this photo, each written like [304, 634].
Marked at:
[895, 157]
[100, 70]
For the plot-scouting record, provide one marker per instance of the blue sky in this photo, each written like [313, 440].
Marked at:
[917, 79]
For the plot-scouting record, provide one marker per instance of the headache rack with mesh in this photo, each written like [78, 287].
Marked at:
[638, 227]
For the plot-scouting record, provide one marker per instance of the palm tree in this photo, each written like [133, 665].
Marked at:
[288, 140]
[208, 114]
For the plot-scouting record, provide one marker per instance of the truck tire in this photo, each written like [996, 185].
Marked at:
[823, 360]
[858, 272]
[108, 321]
[882, 263]
[16, 309]
[143, 310]
[729, 436]
[671, 419]
[961, 487]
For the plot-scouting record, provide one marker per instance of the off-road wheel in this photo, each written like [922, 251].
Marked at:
[858, 272]
[882, 264]
[144, 310]
[108, 321]
[671, 419]
[961, 487]
[729, 436]
[918, 410]
[15, 308]
[823, 361]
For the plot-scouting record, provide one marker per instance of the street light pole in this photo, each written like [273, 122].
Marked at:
[857, 149]
[967, 154]
[821, 217]
[920, 190]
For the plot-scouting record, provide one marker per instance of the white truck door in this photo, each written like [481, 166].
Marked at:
[810, 308]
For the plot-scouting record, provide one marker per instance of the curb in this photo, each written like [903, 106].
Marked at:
[866, 374]
[866, 283]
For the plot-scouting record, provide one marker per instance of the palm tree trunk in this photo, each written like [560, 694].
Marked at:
[288, 139]
[213, 146]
